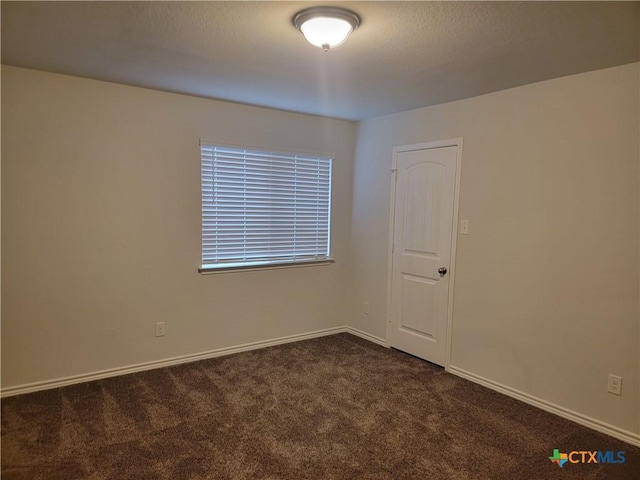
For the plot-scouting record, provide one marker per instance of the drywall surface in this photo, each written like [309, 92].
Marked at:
[546, 282]
[101, 228]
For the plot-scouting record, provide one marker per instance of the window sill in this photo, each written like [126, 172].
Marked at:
[229, 268]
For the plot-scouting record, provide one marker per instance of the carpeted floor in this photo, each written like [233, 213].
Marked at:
[335, 407]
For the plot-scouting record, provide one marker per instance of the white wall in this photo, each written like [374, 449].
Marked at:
[546, 286]
[101, 228]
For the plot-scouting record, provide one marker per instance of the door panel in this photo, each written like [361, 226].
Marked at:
[422, 235]
[419, 306]
[422, 197]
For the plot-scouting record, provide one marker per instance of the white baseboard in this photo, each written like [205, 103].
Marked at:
[113, 372]
[366, 336]
[619, 433]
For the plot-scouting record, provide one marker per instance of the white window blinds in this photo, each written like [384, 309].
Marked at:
[262, 208]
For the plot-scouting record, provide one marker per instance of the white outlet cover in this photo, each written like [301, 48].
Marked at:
[160, 331]
[614, 384]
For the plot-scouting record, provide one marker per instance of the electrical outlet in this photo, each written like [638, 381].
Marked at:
[160, 329]
[365, 308]
[614, 385]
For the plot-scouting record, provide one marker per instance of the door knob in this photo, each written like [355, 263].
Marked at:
[442, 271]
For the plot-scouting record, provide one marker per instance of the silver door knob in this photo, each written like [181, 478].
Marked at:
[442, 271]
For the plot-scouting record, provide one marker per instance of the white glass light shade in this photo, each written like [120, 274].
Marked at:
[326, 27]
[326, 32]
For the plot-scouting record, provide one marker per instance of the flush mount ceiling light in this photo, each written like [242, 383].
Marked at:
[326, 27]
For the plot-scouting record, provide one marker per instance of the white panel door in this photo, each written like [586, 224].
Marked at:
[421, 254]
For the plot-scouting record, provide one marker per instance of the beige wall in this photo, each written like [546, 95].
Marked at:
[546, 285]
[101, 234]
[101, 228]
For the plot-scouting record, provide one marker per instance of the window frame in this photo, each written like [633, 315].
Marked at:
[239, 266]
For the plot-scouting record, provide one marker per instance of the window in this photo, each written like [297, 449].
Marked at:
[263, 208]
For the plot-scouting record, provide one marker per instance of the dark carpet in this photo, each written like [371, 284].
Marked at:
[335, 407]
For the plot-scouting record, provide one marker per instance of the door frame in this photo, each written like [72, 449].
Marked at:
[452, 142]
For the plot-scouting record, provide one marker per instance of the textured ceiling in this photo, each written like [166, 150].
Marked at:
[405, 55]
